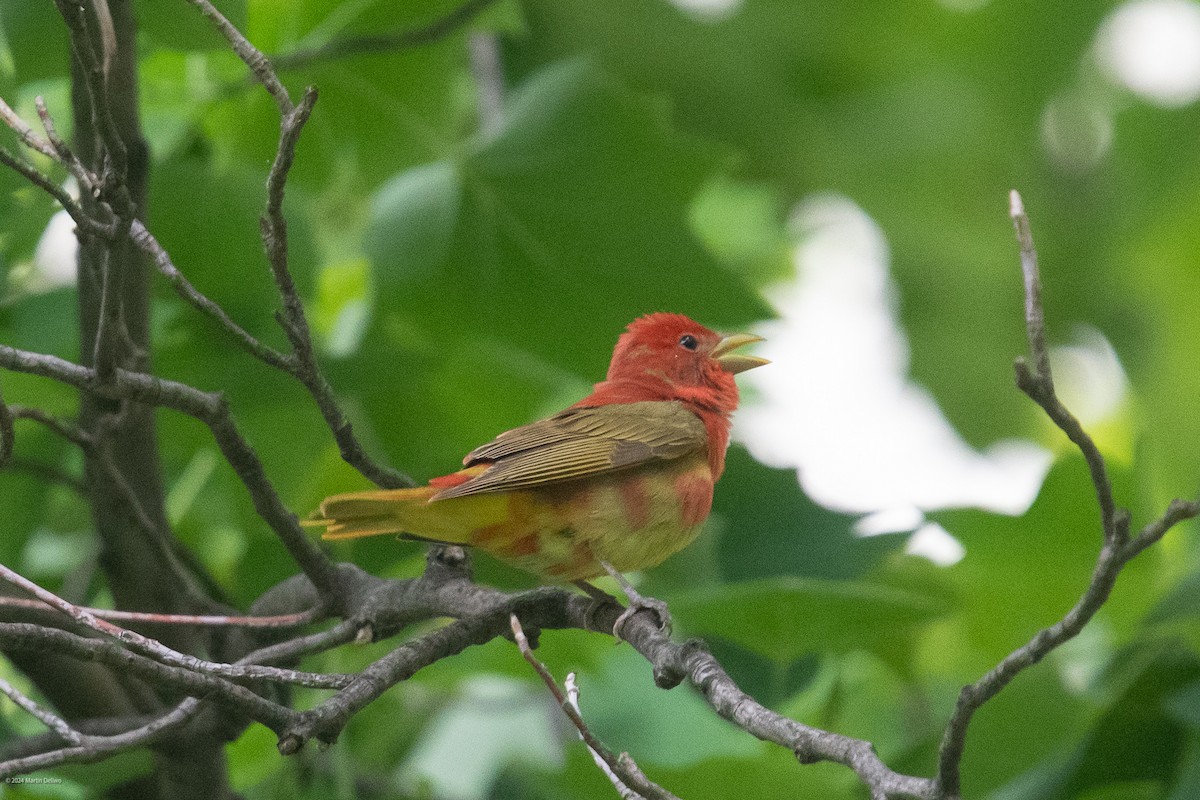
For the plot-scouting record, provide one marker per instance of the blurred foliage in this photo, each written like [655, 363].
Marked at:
[464, 282]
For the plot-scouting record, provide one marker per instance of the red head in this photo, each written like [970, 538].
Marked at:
[671, 357]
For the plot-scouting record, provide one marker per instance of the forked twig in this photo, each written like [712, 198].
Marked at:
[1116, 548]
[621, 770]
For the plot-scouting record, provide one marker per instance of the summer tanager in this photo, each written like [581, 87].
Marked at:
[619, 481]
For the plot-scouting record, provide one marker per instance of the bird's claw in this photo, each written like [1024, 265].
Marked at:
[638, 602]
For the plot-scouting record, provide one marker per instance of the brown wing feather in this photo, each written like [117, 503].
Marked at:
[580, 442]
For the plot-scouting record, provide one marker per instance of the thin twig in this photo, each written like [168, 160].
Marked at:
[253, 58]
[162, 540]
[145, 241]
[62, 153]
[1035, 318]
[159, 651]
[48, 473]
[47, 717]
[383, 43]
[280, 621]
[60, 427]
[8, 435]
[198, 683]
[94, 748]
[1116, 549]
[213, 410]
[25, 132]
[91, 65]
[274, 236]
[626, 793]
[61, 195]
[630, 784]
[1178, 511]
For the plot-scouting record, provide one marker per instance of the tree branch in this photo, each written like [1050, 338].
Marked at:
[145, 241]
[624, 774]
[165, 655]
[231, 695]
[277, 622]
[1116, 549]
[211, 409]
[51, 720]
[8, 435]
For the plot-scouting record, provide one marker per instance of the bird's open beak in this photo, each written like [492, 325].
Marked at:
[735, 362]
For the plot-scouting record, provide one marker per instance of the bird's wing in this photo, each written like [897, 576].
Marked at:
[581, 442]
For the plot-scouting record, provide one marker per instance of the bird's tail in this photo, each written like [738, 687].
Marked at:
[412, 513]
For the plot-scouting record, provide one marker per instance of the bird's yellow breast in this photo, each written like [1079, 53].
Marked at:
[632, 520]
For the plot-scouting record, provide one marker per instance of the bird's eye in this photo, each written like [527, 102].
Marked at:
[688, 342]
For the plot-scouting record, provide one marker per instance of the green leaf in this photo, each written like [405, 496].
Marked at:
[784, 618]
[579, 203]
[34, 38]
[414, 219]
[186, 28]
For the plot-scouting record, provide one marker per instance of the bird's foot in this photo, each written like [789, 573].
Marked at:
[637, 602]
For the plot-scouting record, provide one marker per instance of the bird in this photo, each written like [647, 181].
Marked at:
[616, 482]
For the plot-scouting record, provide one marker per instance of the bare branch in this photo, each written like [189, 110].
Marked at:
[238, 698]
[674, 662]
[25, 132]
[249, 54]
[51, 720]
[160, 539]
[1035, 319]
[280, 621]
[62, 153]
[95, 747]
[1039, 383]
[49, 473]
[1177, 511]
[8, 435]
[62, 428]
[624, 760]
[1116, 549]
[159, 651]
[148, 244]
[359, 45]
[96, 78]
[61, 195]
[211, 409]
[613, 767]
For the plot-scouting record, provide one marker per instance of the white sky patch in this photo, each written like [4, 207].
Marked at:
[1088, 376]
[934, 543]
[837, 405]
[55, 256]
[1152, 48]
[963, 6]
[713, 10]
